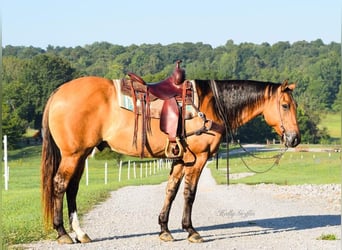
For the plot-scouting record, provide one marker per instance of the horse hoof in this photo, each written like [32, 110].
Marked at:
[195, 238]
[65, 239]
[166, 236]
[84, 239]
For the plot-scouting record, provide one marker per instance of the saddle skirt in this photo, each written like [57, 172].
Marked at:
[125, 99]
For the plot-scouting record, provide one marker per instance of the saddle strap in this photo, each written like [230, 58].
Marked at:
[142, 98]
[148, 112]
[145, 116]
[135, 111]
[184, 96]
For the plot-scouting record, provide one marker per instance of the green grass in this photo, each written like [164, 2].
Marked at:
[332, 121]
[22, 218]
[327, 237]
[295, 168]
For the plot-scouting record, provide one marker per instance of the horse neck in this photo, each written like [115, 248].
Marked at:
[248, 113]
[243, 100]
[251, 109]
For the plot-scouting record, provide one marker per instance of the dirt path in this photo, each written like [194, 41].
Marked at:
[234, 217]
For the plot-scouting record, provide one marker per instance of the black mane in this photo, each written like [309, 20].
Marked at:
[231, 96]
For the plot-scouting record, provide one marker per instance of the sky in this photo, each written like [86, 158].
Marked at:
[71, 23]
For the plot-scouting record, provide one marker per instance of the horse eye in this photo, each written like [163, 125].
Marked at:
[285, 106]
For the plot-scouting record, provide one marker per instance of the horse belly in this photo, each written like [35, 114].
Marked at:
[120, 136]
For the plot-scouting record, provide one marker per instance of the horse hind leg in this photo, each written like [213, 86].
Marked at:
[60, 183]
[71, 192]
[68, 174]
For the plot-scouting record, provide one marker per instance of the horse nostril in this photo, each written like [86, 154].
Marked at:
[292, 139]
[295, 142]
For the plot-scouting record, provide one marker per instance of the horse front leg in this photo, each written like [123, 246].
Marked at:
[192, 175]
[172, 187]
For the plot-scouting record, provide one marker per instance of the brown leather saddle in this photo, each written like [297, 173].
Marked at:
[173, 90]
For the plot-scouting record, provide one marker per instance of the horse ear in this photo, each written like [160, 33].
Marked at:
[286, 86]
[292, 86]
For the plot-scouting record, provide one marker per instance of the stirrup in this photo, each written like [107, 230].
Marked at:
[169, 149]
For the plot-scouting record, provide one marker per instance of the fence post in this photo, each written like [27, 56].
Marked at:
[129, 169]
[134, 171]
[141, 167]
[87, 174]
[120, 167]
[106, 172]
[6, 168]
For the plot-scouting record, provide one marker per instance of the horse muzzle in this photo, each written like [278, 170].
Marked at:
[291, 139]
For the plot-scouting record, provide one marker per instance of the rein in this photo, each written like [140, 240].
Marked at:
[277, 158]
[229, 132]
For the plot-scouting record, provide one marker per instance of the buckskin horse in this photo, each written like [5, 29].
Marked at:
[84, 113]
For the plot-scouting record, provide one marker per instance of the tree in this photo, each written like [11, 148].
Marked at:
[17, 96]
[34, 73]
[12, 68]
[337, 104]
[309, 130]
[27, 84]
[256, 131]
[12, 125]
[42, 75]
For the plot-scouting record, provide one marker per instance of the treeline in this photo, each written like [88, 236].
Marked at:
[30, 74]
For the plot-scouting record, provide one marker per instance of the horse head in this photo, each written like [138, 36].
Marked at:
[280, 113]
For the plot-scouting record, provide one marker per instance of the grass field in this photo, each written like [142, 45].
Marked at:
[22, 219]
[332, 121]
[294, 168]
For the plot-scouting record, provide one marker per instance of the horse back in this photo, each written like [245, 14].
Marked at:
[89, 88]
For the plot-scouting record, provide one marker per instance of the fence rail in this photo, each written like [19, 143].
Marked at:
[127, 170]
[145, 169]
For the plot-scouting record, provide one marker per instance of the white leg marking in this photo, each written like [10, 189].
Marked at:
[76, 226]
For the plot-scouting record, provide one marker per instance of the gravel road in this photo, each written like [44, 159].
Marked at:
[228, 217]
